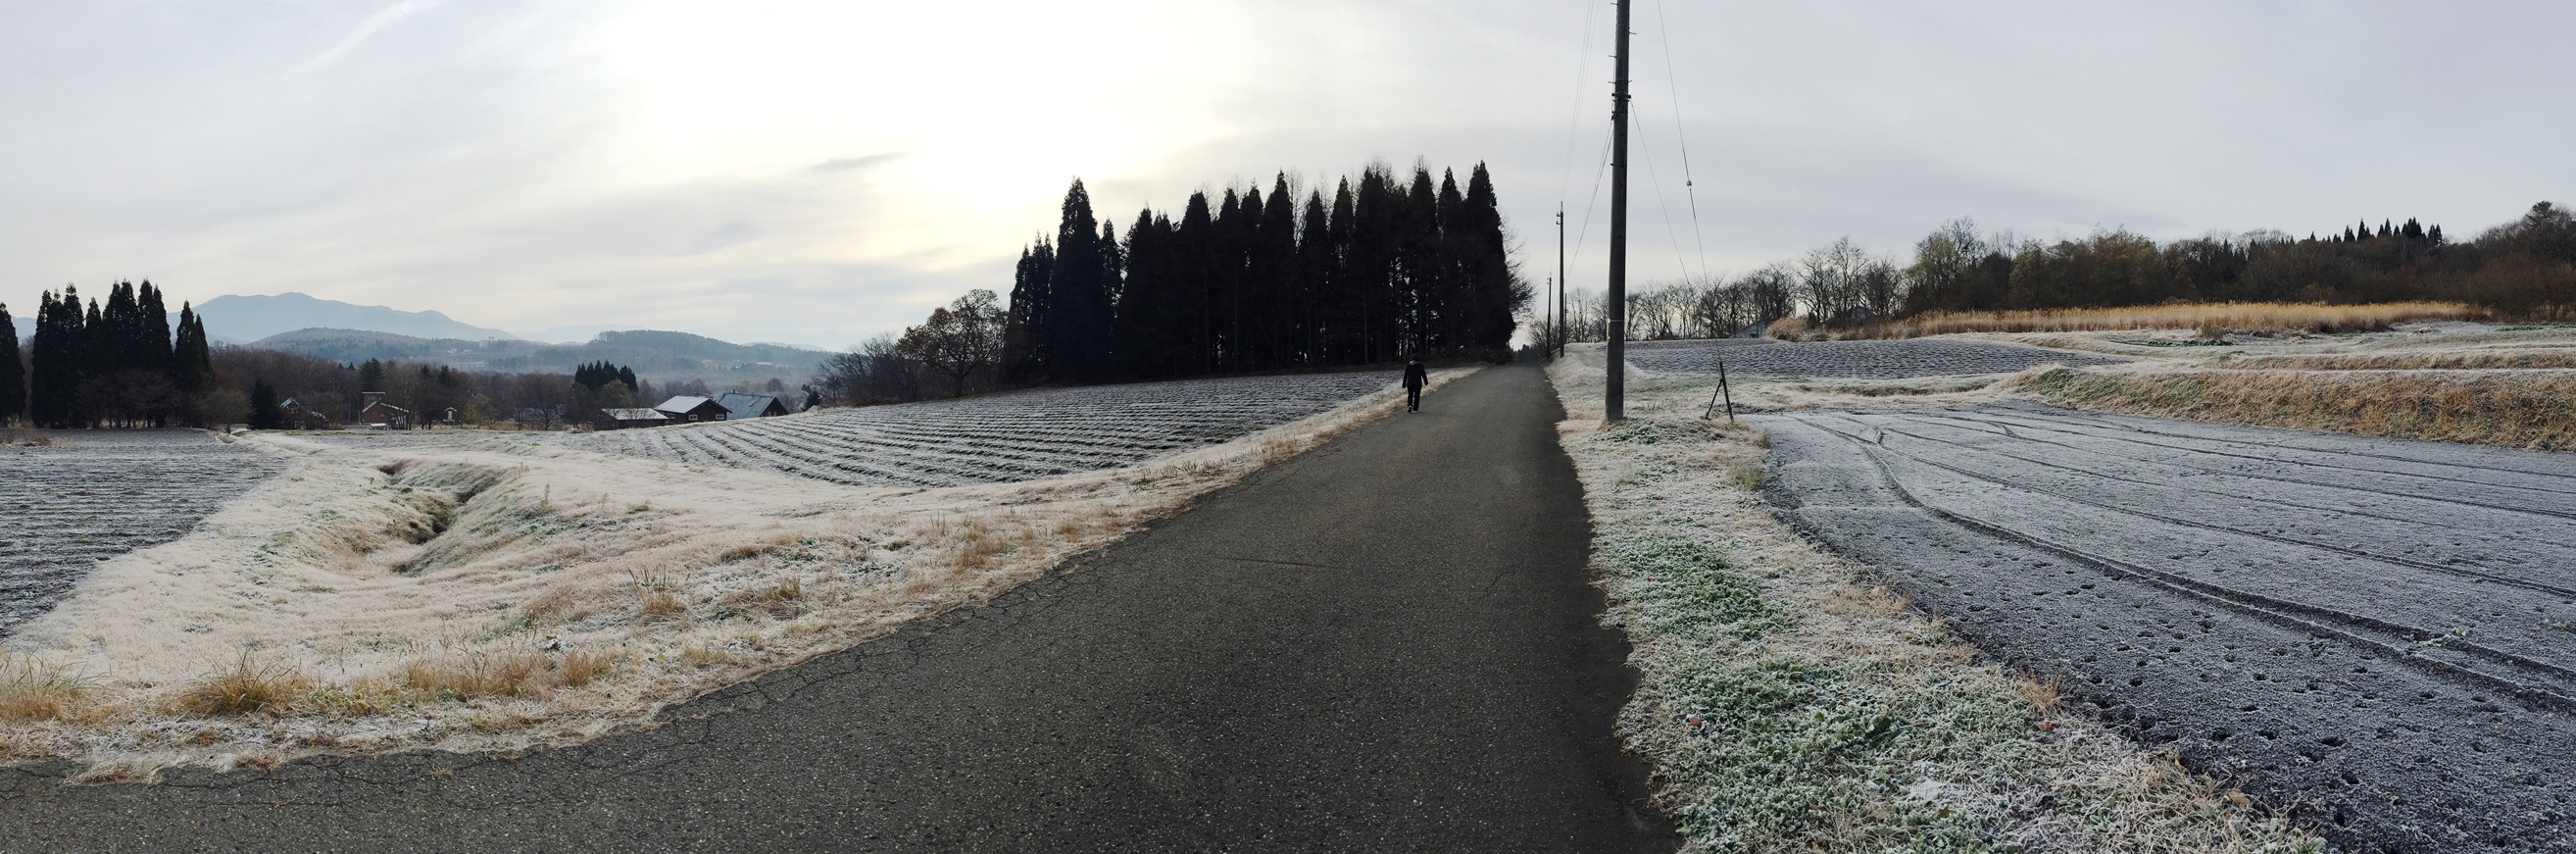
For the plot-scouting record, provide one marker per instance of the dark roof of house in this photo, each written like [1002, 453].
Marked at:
[636, 414]
[739, 405]
[686, 403]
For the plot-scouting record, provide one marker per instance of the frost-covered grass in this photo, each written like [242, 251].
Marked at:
[1790, 703]
[492, 595]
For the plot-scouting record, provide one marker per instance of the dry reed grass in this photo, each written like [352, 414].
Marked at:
[2456, 360]
[2210, 320]
[2514, 409]
[31, 690]
[474, 674]
[247, 686]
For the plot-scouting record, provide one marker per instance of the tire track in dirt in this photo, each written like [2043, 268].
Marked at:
[2404, 643]
[2378, 471]
[2443, 568]
[2312, 655]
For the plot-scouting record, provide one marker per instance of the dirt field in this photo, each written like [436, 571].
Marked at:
[2374, 633]
[96, 494]
[999, 438]
[1759, 357]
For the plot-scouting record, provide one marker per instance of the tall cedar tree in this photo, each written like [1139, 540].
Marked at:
[264, 414]
[53, 383]
[13, 371]
[1023, 339]
[1077, 325]
[192, 365]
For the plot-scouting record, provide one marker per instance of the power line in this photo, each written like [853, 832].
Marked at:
[1574, 126]
[1663, 31]
[1662, 205]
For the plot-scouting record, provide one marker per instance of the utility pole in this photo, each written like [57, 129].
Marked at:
[1614, 398]
[1560, 280]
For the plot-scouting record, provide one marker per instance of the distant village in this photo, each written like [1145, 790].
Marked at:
[376, 414]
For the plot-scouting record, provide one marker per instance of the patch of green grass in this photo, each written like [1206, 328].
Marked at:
[1682, 586]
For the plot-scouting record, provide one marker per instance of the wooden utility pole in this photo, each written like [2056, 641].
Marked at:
[1560, 331]
[1613, 401]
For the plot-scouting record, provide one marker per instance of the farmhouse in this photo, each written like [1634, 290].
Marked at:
[739, 406]
[620, 419]
[378, 413]
[689, 408]
[294, 415]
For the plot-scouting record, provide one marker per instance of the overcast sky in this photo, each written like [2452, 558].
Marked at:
[818, 172]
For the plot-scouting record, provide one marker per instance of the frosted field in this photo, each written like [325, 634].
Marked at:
[2319, 615]
[998, 438]
[97, 494]
[1921, 357]
[490, 590]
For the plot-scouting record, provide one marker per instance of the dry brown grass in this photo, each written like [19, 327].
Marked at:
[2527, 410]
[474, 674]
[247, 686]
[654, 599]
[32, 690]
[782, 598]
[2457, 360]
[2209, 319]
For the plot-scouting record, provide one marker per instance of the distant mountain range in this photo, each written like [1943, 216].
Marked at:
[250, 318]
[658, 356]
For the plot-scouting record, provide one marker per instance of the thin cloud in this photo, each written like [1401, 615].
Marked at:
[851, 164]
[373, 24]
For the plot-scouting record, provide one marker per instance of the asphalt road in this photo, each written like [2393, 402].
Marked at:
[1384, 644]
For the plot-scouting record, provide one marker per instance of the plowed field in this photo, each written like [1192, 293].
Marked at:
[98, 494]
[1921, 357]
[1003, 437]
[2373, 632]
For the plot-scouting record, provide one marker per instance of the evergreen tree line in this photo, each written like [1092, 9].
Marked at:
[113, 364]
[2521, 269]
[597, 375]
[1384, 268]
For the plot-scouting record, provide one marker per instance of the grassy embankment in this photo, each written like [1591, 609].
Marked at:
[2515, 409]
[1790, 703]
[2211, 319]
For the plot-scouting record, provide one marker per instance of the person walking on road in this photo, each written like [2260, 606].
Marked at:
[1414, 377]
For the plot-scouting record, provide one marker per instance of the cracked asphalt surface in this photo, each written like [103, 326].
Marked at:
[1384, 644]
[2370, 633]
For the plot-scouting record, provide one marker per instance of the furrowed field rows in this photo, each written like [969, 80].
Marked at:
[94, 495]
[1762, 357]
[2377, 630]
[1001, 437]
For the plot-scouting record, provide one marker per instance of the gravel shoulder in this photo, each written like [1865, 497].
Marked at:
[2370, 632]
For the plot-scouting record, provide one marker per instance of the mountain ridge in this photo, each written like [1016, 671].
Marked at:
[253, 317]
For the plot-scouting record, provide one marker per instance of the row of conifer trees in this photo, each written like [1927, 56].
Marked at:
[118, 363]
[1383, 269]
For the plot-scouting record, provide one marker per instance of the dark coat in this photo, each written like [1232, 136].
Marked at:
[1415, 376]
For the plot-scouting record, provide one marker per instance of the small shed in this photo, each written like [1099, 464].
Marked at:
[739, 405]
[687, 409]
[620, 419]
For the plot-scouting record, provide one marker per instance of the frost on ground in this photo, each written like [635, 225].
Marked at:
[1790, 703]
[78, 496]
[493, 591]
[1882, 360]
[2312, 614]
[1001, 437]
